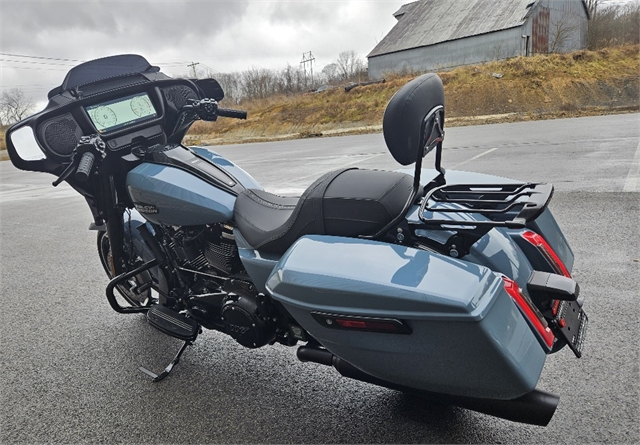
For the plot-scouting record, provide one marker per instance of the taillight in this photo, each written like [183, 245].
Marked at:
[545, 249]
[530, 312]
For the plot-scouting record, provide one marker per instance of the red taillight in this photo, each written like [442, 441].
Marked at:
[539, 242]
[530, 312]
[368, 325]
[360, 323]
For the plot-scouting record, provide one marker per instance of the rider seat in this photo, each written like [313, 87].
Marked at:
[352, 202]
[347, 202]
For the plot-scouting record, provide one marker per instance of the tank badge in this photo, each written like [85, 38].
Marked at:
[146, 208]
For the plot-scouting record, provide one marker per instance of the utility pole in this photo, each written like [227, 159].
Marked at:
[307, 58]
[193, 65]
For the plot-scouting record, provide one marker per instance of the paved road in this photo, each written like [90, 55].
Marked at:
[69, 363]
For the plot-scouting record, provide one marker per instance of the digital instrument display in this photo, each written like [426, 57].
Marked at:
[118, 113]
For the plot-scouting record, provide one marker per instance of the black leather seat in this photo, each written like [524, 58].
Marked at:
[347, 202]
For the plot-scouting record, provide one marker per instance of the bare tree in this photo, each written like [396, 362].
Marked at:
[332, 73]
[592, 6]
[349, 65]
[614, 25]
[14, 106]
[230, 83]
[562, 32]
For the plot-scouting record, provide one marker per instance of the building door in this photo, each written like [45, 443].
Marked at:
[540, 31]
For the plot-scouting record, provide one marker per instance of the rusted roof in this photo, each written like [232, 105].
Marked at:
[427, 22]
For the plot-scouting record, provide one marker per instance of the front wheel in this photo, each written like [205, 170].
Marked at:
[139, 299]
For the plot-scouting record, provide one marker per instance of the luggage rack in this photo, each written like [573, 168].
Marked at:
[494, 201]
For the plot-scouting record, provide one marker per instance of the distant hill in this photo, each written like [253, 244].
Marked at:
[522, 88]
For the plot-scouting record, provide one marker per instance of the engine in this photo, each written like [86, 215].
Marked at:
[230, 305]
[205, 247]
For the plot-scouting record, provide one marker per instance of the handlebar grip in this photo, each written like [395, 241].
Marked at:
[84, 166]
[236, 114]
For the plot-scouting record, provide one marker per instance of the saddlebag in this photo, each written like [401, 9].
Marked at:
[410, 317]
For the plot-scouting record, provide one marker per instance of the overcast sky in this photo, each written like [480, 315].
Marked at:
[223, 36]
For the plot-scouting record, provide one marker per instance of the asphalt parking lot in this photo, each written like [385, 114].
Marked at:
[70, 364]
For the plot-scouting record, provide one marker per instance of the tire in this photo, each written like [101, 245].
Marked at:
[143, 299]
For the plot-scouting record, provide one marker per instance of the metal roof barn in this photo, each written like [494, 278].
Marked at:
[442, 34]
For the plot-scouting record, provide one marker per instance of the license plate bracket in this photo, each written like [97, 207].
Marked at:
[571, 323]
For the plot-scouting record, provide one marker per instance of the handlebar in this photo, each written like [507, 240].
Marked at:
[208, 110]
[84, 166]
[236, 114]
[89, 146]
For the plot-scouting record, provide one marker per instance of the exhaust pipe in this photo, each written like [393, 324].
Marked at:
[535, 408]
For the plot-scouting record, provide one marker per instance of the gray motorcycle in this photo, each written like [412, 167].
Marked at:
[449, 284]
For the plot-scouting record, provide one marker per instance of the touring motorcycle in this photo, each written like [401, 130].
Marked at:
[449, 284]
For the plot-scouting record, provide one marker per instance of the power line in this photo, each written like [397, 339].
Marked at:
[41, 57]
[74, 60]
[34, 63]
[40, 69]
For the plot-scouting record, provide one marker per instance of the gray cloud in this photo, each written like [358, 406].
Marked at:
[223, 35]
[114, 23]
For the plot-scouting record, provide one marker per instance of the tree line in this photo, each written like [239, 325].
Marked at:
[613, 25]
[260, 83]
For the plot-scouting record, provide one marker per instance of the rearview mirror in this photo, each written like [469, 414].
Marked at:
[433, 132]
[25, 144]
[211, 88]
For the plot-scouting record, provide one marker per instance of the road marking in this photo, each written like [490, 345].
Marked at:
[475, 157]
[633, 178]
[286, 186]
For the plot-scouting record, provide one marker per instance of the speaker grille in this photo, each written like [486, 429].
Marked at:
[179, 95]
[60, 134]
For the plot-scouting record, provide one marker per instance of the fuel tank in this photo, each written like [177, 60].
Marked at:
[186, 186]
[168, 195]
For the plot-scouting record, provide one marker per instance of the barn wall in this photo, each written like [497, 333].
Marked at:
[557, 26]
[446, 55]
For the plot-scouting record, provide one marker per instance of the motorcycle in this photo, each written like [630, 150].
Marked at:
[448, 284]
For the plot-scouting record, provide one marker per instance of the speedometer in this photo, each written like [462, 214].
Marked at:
[105, 117]
[122, 112]
[141, 106]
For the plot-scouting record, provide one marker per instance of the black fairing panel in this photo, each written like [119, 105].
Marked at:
[403, 119]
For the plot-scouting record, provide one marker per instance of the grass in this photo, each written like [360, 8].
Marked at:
[543, 86]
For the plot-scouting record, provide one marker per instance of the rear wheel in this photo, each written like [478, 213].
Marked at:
[142, 298]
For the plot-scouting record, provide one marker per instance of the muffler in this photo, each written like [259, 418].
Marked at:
[535, 408]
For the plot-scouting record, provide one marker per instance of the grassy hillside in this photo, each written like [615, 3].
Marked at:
[540, 87]
[580, 83]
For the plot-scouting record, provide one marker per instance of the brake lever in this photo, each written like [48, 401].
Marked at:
[67, 171]
[92, 143]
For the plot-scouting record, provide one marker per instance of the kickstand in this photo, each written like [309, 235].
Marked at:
[167, 370]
